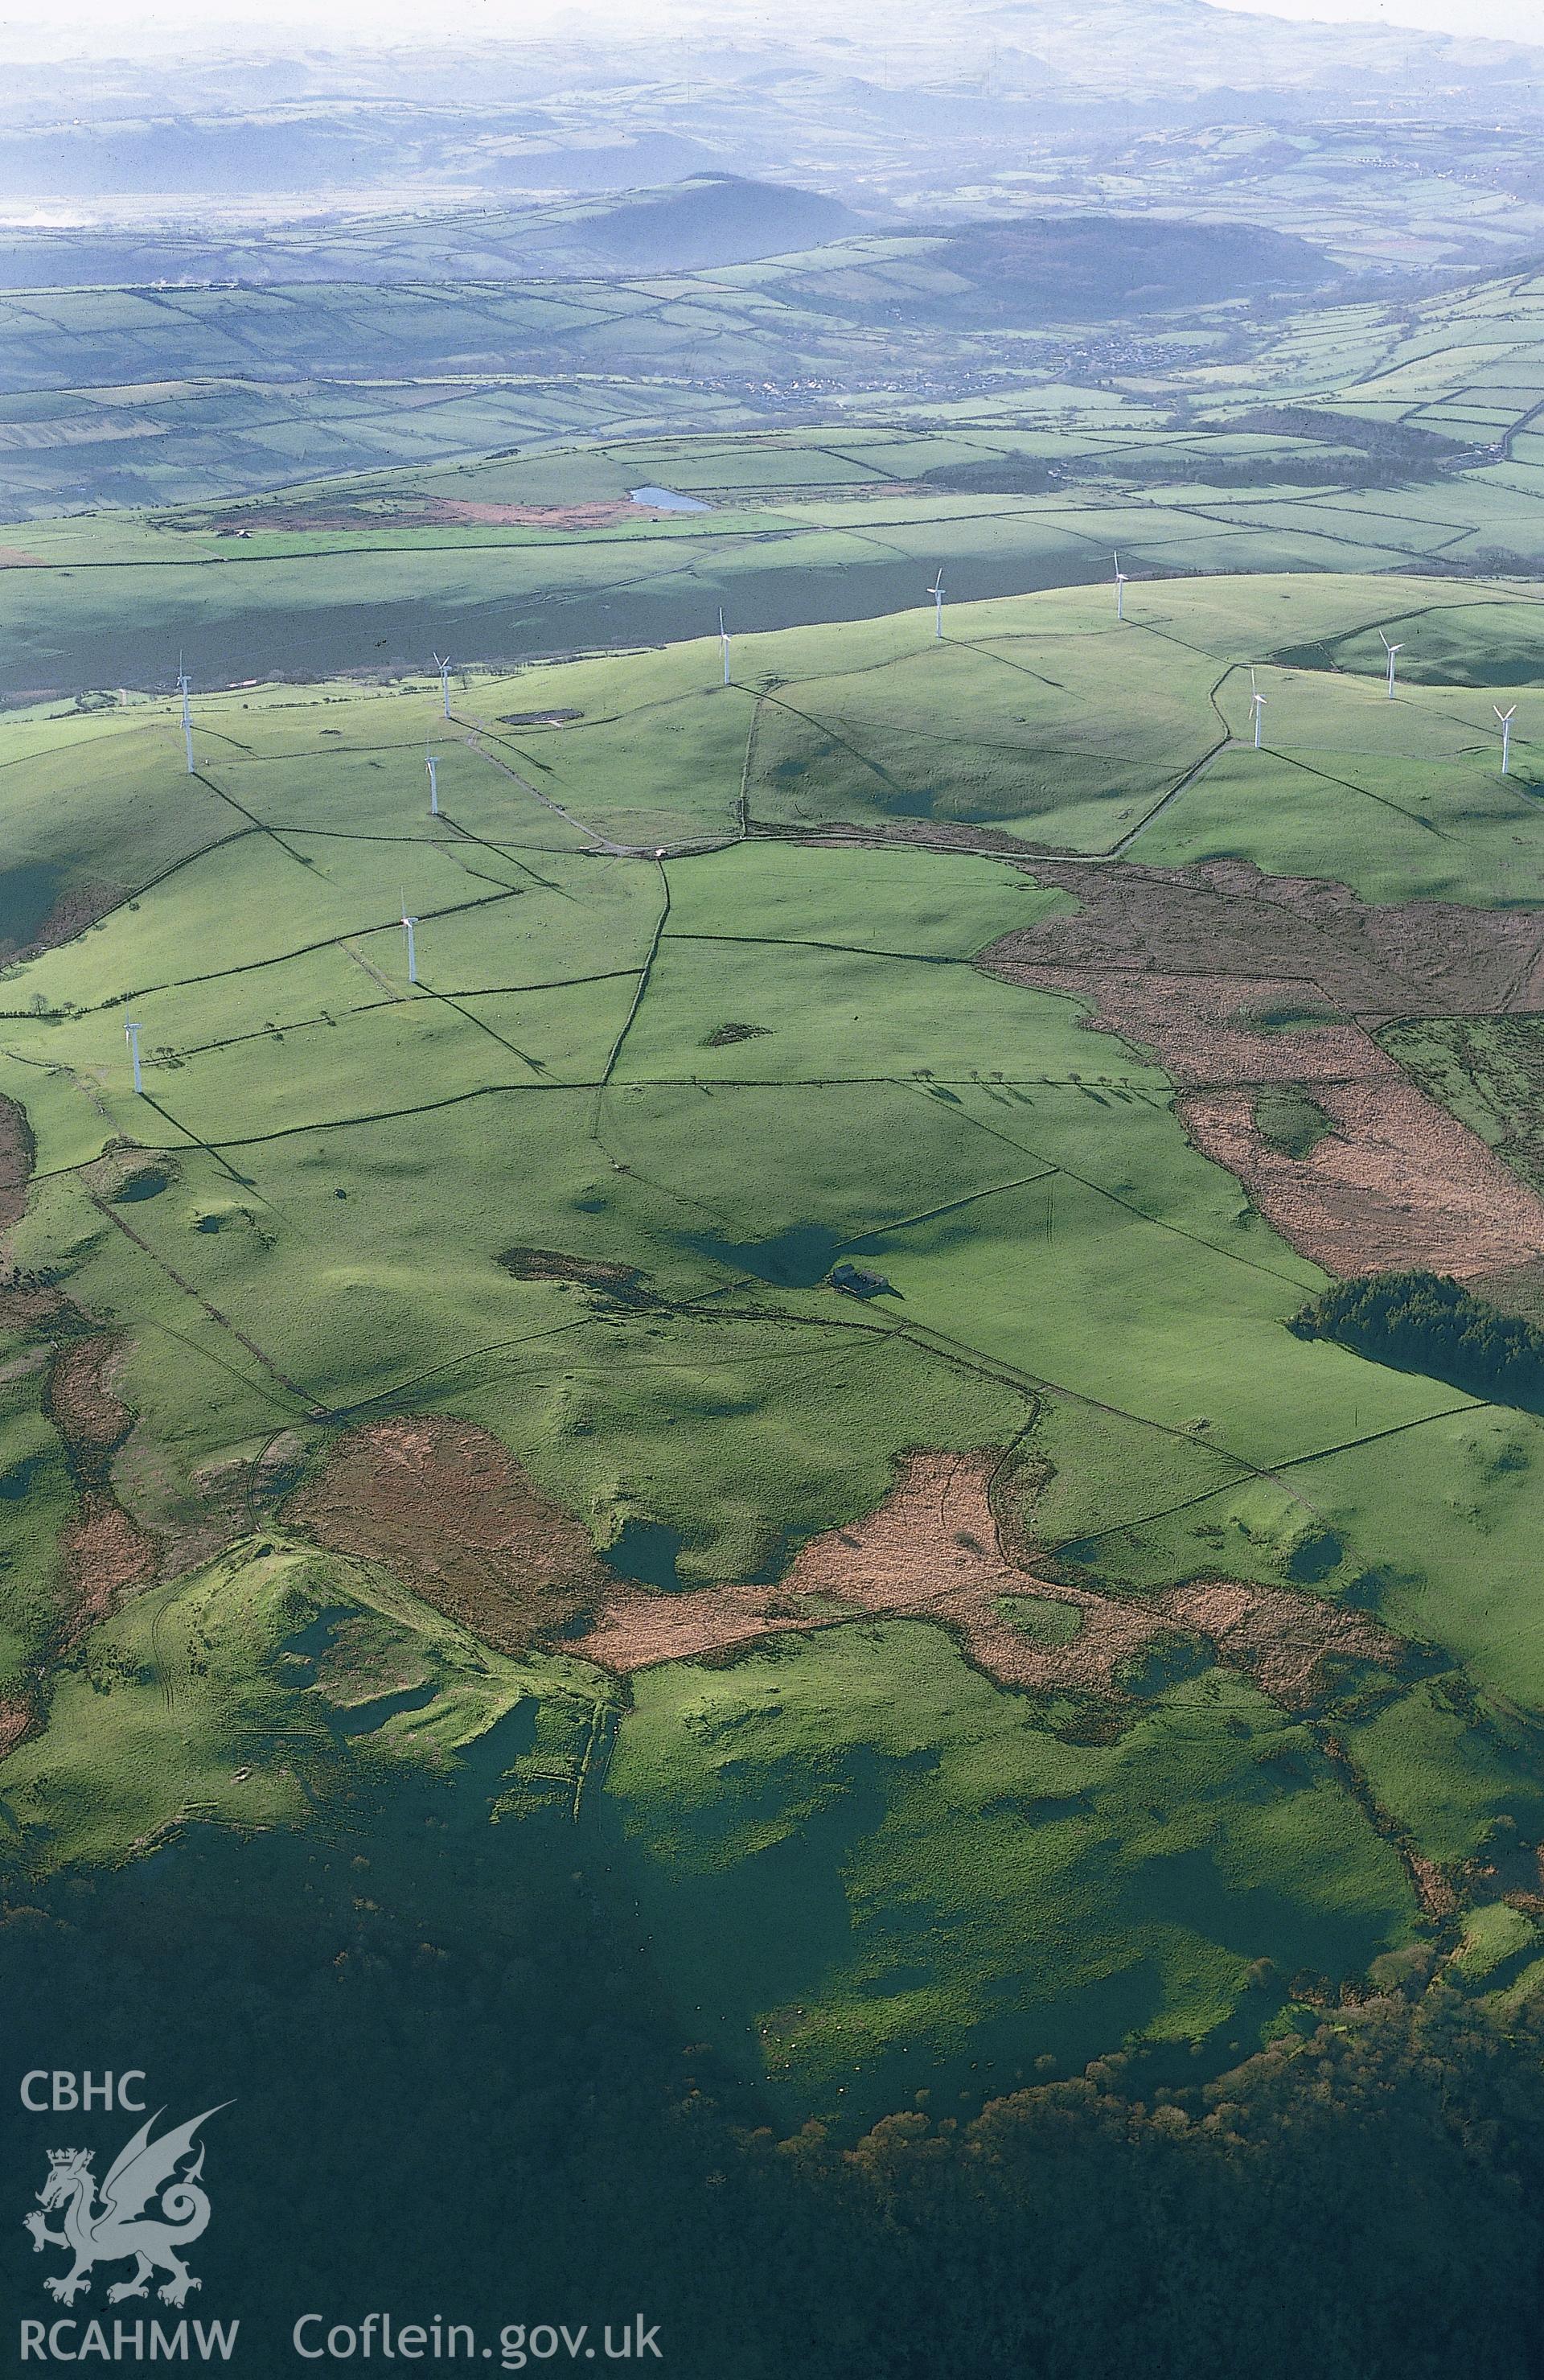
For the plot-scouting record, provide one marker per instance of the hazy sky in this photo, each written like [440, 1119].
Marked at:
[132, 26]
[1517, 20]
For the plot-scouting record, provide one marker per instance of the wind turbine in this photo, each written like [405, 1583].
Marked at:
[131, 1035]
[936, 591]
[444, 668]
[1391, 651]
[1120, 588]
[1257, 704]
[407, 925]
[431, 764]
[1506, 718]
[724, 640]
[183, 682]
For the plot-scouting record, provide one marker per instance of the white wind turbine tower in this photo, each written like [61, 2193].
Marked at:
[1391, 651]
[407, 925]
[444, 668]
[724, 640]
[131, 1035]
[1506, 718]
[431, 766]
[936, 591]
[1257, 704]
[1120, 588]
[183, 683]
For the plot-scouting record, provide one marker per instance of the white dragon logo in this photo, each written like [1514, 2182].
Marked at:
[119, 2227]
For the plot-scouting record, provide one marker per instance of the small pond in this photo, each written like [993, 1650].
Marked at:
[665, 500]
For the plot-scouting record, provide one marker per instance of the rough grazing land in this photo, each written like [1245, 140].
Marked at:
[454, 1515]
[102, 1551]
[1399, 1185]
[1237, 980]
[424, 512]
[931, 1551]
[1227, 918]
[91, 1418]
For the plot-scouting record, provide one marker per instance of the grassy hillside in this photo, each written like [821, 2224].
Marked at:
[515, 560]
[717, 987]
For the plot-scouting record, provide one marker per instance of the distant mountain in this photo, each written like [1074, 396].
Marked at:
[695, 225]
[344, 146]
[1186, 48]
[981, 277]
[851, 100]
[707, 220]
[1077, 268]
[614, 54]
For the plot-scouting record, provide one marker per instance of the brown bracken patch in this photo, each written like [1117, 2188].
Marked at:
[417, 512]
[452, 1513]
[1208, 1028]
[1237, 981]
[454, 510]
[18, 1716]
[91, 1420]
[1433, 1889]
[931, 1551]
[71, 913]
[16, 1157]
[102, 1551]
[552, 1264]
[1398, 1184]
[1287, 1644]
[1229, 920]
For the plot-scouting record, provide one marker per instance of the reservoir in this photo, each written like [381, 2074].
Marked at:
[665, 500]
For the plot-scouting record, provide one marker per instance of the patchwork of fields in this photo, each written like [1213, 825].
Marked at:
[1035, 1648]
[1352, 438]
